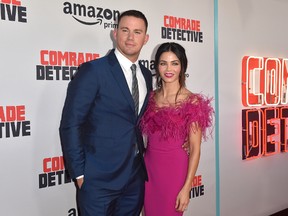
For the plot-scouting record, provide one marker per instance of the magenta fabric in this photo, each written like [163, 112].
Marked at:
[166, 161]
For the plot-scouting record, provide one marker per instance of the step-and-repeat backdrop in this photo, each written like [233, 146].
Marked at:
[41, 45]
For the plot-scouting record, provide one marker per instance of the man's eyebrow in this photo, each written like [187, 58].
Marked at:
[124, 27]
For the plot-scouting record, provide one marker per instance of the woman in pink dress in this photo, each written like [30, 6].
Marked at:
[174, 116]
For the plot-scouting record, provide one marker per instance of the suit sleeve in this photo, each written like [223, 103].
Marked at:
[81, 93]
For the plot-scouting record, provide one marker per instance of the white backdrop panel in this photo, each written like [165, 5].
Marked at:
[248, 28]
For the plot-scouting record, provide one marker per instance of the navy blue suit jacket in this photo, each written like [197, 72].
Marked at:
[99, 129]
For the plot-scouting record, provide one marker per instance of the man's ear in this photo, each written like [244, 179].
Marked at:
[115, 33]
[146, 39]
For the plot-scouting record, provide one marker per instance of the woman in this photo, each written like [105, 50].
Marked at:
[174, 115]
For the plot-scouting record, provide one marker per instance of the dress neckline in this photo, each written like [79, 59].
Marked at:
[179, 104]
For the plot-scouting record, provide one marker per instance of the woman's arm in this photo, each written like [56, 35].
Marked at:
[194, 141]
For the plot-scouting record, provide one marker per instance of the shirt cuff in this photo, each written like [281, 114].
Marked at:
[80, 177]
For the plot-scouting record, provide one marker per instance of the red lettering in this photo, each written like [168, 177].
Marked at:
[45, 165]
[272, 129]
[80, 58]
[166, 18]
[53, 57]
[264, 81]
[264, 132]
[63, 57]
[90, 56]
[43, 53]
[20, 113]
[2, 114]
[12, 113]
[13, 2]
[284, 136]
[58, 58]
[197, 181]
[73, 60]
[196, 25]
[181, 23]
[57, 163]
[53, 164]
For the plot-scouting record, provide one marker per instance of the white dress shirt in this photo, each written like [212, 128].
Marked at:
[125, 65]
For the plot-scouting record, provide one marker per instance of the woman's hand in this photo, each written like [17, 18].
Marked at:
[186, 147]
[182, 200]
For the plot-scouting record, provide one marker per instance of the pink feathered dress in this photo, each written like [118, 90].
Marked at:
[166, 161]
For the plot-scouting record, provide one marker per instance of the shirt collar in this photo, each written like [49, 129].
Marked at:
[124, 62]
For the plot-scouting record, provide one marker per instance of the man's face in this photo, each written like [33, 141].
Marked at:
[130, 36]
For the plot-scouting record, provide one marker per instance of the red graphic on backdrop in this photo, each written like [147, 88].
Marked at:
[181, 29]
[54, 172]
[197, 187]
[59, 65]
[264, 91]
[13, 122]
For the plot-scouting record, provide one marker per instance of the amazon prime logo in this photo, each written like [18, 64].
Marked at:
[91, 15]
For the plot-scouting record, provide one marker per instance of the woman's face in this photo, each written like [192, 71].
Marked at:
[169, 67]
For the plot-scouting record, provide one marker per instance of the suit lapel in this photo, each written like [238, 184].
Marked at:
[120, 79]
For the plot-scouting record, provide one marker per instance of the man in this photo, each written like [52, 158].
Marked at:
[99, 131]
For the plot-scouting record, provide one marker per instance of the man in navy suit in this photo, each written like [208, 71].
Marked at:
[101, 141]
